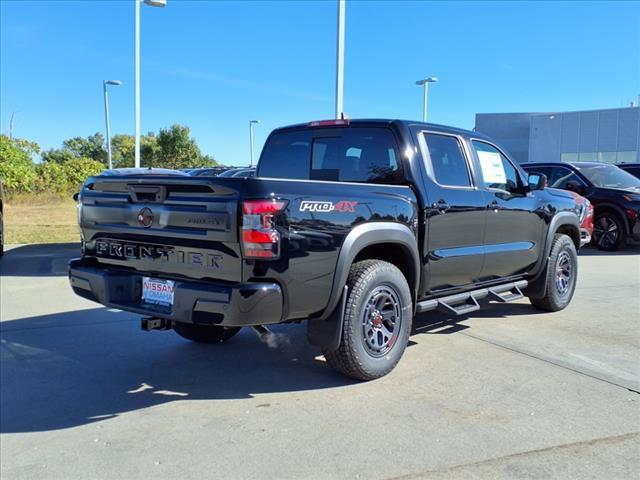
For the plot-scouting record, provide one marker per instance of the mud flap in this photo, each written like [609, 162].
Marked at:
[537, 288]
[327, 334]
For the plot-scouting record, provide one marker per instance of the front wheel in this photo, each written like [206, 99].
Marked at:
[204, 333]
[377, 321]
[561, 275]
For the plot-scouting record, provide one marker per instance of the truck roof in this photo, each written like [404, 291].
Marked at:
[371, 122]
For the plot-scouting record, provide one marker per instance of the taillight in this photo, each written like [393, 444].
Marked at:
[260, 239]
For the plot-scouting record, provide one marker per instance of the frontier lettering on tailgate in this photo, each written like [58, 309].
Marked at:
[157, 253]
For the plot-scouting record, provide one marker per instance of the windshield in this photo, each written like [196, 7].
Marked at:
[609, 176]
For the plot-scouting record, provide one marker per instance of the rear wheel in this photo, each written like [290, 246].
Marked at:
[608, 231]
[561, 275]
[377, 321]
[204, 333]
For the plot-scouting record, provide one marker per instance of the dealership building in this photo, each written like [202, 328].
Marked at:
[611, 136]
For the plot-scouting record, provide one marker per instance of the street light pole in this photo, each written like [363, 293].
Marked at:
[137, 84]
[251, 124]
[426, 83]
[340, 61]
[152, 3]
[106, 116]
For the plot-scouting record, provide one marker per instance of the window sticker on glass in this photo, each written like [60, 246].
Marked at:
[492, 168]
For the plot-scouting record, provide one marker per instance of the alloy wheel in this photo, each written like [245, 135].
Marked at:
[564, 272]
[381, 320]
[606, 232]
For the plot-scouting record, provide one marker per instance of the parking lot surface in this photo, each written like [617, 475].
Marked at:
[504, 393]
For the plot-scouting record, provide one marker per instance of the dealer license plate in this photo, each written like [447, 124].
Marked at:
[158, 292]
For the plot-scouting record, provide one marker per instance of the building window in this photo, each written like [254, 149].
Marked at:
[604, 157]
[607, 157]
[569, 157]
[588, 157]
[627, 157]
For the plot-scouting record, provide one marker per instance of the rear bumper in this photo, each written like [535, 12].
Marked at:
[194, 302]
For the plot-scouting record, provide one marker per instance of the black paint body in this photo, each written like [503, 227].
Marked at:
[482, 237]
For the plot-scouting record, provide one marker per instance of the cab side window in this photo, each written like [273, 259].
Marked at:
[447, 160]
[497, 170]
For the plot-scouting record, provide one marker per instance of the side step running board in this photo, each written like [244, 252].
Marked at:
[467, 302]
[504, 294]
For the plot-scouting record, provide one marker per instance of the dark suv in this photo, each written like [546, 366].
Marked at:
[614, 193]
[632, 168]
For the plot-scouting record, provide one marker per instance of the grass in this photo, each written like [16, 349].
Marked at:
[40, 219]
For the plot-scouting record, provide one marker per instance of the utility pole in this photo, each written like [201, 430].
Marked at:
[151, 3]
[425, 83]
[11, 126]
[106, 116]
[340, 61]
[251, 124]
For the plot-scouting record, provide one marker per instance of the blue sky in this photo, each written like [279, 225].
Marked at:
[215, 65]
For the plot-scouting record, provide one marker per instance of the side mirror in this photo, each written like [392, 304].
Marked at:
[76, 196]
[537, 181]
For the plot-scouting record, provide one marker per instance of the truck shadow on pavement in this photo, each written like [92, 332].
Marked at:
[39, 260]
[74, 368]
[69, 369]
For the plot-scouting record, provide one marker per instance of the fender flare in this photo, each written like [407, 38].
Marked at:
[326, 330]
[537, 286]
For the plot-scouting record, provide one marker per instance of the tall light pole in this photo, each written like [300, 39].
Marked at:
[340, 61]
[106, 116]
[251, 124]
[426, 83]
[152, 3]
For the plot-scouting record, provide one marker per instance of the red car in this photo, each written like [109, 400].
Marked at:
[586, 218]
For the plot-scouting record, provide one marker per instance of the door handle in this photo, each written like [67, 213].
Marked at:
[441, 205]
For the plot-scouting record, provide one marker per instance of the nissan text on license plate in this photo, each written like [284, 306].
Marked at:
[158, 292]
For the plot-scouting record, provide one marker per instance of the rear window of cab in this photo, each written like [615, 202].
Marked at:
[351, 154]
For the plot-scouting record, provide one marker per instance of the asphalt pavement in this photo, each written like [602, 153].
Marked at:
[506, 392]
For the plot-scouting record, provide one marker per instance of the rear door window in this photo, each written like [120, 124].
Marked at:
[448, 163]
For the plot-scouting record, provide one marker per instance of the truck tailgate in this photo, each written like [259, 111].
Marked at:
[184, 226]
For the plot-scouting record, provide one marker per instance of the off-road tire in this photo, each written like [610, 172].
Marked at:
[563, 254]
[353, 357]
[609, 219]
[204, 333]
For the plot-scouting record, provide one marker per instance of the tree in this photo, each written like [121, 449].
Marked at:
[176, 149]
[122, 150]
[92, 147]
[58, 155]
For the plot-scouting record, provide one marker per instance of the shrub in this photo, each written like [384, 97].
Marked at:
[51, 177]
[17, 170]
[20, 175]
[77, 171]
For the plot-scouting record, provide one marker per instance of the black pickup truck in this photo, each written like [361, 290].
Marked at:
[354, 226]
